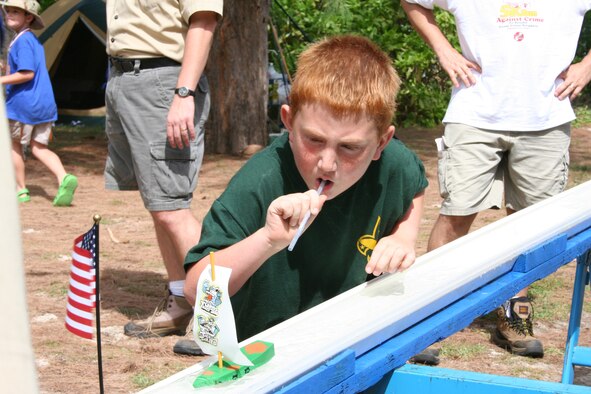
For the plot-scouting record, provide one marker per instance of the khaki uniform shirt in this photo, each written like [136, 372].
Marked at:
[152, 28]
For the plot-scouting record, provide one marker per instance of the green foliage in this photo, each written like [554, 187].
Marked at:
[583, 113]
[425, 88]
[45, 3]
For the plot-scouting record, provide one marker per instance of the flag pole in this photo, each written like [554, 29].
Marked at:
[97, 219]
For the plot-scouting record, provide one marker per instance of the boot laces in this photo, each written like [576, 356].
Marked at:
[521, 326]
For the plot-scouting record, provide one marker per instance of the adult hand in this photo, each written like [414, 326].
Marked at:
[285, 214]
[575, 77]
[179, 123]
[391, 254]
[457, 66]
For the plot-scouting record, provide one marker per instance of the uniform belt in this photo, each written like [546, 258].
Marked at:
[128, 65]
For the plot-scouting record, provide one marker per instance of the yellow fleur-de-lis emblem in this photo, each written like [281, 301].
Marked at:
[367, 243]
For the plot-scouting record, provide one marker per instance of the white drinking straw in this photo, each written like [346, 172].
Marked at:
[304, 222]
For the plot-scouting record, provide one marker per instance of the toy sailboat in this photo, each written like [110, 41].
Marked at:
[214, 330]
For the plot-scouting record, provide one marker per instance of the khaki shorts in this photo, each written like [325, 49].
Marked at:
[478, 167]
[40, 133]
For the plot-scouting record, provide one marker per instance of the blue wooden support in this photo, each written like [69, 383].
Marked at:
[374, 368]
[326, 376]
[429, 380]
[574, 354]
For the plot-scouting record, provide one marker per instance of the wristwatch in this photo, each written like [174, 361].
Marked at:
[184, 91]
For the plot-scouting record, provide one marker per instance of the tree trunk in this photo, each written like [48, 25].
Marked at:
[237, 73]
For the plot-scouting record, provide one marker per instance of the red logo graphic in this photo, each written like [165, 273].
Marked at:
[518, 36]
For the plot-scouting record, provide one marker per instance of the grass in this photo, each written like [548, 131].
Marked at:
[58, 289]
[72, 135]
[131, 311]
[143, 380]
[53, 344]
[462, 350]
[545, 305]
[147, 377]
[552, 351]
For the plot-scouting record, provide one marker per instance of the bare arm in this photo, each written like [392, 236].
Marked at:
[396, 252]
[455, 65]
[575, 77]
[180, 123]
[284, 215]
[17, 77]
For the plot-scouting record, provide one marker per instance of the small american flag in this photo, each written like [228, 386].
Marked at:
[82, 289]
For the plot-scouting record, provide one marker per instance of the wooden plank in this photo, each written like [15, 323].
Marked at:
[370, 314]
[392, 354]
[420, 379]
[324, 377]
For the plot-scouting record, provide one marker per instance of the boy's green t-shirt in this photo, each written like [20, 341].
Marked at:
[330, 256]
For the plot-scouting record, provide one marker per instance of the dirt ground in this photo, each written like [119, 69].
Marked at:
[132, 275]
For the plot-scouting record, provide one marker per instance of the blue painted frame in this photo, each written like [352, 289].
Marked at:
[383, 369]
[574, 354]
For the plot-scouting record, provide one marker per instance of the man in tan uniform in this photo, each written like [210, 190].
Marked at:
[157, 103]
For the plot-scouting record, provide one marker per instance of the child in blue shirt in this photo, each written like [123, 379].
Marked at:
[30, 105]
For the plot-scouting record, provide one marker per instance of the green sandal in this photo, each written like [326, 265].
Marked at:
[23, 195]
[65, 193]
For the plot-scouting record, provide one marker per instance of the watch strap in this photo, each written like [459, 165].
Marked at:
[190, 92]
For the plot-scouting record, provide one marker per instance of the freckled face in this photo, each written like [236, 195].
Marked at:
[338, 151]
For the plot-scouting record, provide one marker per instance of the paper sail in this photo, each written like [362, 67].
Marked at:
[214, 327]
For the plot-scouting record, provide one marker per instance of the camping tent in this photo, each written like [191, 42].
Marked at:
[74, 42]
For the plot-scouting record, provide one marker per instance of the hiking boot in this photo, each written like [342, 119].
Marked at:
[170, 317]
[187, 346]
[515, 331]
[426, 357]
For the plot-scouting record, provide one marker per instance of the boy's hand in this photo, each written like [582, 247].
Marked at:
[390, 255]
[287, 212]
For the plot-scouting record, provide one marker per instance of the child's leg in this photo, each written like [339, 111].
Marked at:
[49, 159]
[67, 182]
[19, 134]
[19, 164]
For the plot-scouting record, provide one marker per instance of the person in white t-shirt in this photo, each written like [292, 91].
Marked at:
[507, 126]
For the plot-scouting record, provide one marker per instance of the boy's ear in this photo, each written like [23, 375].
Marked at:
[384, 140]
[286, 116]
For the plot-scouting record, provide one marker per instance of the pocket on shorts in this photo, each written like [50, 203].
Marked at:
[174, 171]
[442, 163]
[203, 84]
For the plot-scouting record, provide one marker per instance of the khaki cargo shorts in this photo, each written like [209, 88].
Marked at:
[40, 133]
[478, 167]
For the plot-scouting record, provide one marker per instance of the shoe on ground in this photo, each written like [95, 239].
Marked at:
[65, 193]
[23, 195]
[514, 330]
[187, 346]
[170, 317]
[426, 357]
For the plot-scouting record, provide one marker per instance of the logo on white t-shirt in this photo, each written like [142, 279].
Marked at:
[517, 17]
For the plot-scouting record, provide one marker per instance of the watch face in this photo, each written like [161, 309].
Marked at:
[183, 91]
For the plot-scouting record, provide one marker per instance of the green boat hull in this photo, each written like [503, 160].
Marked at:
[258, 352]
